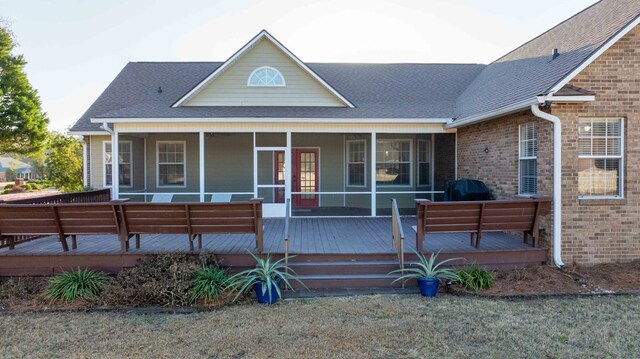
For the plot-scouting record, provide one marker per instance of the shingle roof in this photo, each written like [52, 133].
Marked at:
[377, 91]
[529, 70]
[384, 90]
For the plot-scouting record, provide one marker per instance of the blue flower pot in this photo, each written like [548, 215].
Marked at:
[428, 286]
[265, 298]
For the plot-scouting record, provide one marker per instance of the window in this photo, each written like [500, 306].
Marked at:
[393, 162]
[528, 160]
[356, 159]
[171, 163]
[266, 77]
[124, 168]
[600, 157]
[424, 162]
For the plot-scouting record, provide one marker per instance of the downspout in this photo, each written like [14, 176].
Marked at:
[557, 182]
[105, 127]
[85, 183]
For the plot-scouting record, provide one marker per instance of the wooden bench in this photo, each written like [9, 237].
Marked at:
[191, 219]
[62, 220]
[476, 217]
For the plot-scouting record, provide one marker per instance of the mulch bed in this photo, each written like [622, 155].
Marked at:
[572, 280]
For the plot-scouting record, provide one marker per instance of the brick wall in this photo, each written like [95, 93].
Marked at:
[594, 231]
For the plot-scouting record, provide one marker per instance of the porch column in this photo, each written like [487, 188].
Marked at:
[201, 158]
[85, 182]
[288, 169]
[373, 174]
[115, 164]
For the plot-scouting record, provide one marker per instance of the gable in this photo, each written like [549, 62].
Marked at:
[230, 88]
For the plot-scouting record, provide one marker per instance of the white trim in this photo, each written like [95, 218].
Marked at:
[347, 162]
[505, 110]
[411, 163]
[618, 157]
[184, 154]
[595, 55]
[383, 120]
[262, 35]
[521, 158]
[104, 164]
[372, 163]
[144, 143]
[568, 99]
[115, 170]
[84, 162]
[288, 172]
[200, 164]
[284, 82]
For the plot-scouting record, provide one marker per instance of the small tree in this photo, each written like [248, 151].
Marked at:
[64, 162]
[23, 125]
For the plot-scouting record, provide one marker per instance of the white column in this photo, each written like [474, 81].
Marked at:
[85, 182]
[373, 174]
[288, 169]
[255, 168]
[115, 165]
[201, 158]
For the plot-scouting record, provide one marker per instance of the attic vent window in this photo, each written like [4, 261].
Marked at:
[266, 77]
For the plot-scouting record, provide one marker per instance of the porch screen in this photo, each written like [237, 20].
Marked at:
[171, 163]
[124, 170]
[528, 153]
[393, 162]
[600, 157]
[356, 158]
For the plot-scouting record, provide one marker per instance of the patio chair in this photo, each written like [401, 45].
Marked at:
[162, 198]
[221, 197]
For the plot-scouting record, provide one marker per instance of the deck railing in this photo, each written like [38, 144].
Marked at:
[103, 195]
[397, 234]
[287, 231]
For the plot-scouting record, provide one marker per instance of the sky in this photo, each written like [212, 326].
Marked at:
[74, 48]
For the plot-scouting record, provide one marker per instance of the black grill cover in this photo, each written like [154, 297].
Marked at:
[467, 190]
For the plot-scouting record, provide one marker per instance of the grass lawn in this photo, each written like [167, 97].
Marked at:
[356, 327]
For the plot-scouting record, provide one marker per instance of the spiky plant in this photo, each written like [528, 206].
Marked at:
[426, 268]
[475, 278]
[266, 272]
[81, 283]
[209, 283]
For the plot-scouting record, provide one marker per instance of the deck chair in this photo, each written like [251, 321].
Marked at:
[221, 197]
[162, 198]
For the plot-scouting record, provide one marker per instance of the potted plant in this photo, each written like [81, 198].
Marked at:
[265, 279]
[428, 273]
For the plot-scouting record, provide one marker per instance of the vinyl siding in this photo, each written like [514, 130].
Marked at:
[96, 162]
[230, 88]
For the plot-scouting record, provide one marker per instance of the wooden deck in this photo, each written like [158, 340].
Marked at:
[311, 238]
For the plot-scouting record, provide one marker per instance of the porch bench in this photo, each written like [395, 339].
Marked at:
[62, 219]
[476, 217]
[191, 219]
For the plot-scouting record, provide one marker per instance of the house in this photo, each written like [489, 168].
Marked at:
[18, 168]
[553, 117]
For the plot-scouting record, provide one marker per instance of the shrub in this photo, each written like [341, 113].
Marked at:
[475, 278]
[163, 279]
[9, 186]
[209, 283]
[27, 187]
[81, 283]
[17, 189]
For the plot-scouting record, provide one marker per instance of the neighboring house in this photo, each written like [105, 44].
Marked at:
[357, 135]
[19, 169]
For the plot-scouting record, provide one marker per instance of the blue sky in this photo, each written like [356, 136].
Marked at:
[75, 48]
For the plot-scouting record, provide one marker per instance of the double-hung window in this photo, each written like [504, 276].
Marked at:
[600, 157]
[356, 162]
[171, 163]
[528, 160]
[124, 168]
[393, 162]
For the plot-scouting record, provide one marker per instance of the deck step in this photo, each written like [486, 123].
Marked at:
[346, 281]
[344, 267]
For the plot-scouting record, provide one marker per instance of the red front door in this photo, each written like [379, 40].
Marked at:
[305, 176]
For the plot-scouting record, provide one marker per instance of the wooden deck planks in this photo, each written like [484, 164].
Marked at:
[308, 236]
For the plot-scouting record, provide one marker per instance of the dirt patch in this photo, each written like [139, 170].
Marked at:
[549, 280]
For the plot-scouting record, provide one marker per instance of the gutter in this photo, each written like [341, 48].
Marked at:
[105, 127]
[557, 182]
[518, 106]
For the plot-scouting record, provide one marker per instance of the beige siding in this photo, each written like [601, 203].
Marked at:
[96, 162]
[230, 88]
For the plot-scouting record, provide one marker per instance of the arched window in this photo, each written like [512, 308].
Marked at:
[266, 77]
